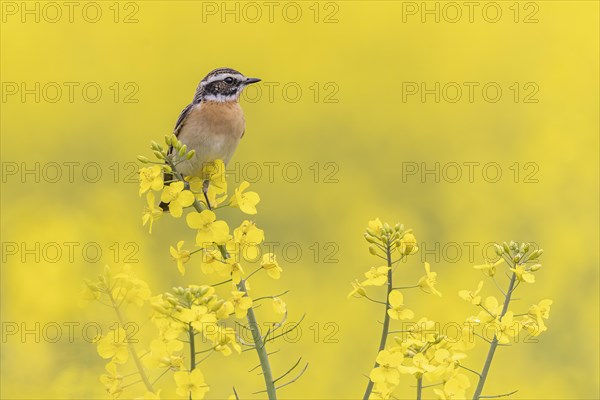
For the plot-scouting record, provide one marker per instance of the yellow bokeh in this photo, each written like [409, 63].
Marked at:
[470, 124]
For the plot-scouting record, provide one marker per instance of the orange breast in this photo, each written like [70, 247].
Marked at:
[213, 130]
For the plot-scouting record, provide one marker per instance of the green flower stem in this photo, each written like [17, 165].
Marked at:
[260, 348]
[254, 328]
[419, 387]
[192, 350]
[192, 347]
[136, 359]
[386, 319]
[494, 343]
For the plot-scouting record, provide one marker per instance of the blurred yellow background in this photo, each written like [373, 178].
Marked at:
[348, 99]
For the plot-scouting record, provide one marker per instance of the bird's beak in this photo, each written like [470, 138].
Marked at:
[251, 80]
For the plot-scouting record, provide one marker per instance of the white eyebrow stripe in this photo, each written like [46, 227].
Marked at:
[222, 76]
[220, 98]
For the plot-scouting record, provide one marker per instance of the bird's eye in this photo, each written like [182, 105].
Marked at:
[229, 80]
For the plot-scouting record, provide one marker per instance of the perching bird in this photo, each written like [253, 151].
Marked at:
[213, 123]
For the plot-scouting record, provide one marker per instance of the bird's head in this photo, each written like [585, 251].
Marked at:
[223, 84]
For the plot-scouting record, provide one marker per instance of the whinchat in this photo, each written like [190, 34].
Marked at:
[213, 123]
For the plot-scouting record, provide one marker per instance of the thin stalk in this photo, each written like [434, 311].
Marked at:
[192, 348]
[260, 348]
[134, 356]
[494, 342]
[386, 319]
[419, 387]
[192, 351]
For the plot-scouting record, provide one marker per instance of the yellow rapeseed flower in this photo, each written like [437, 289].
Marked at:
[279, 306]
[191, 384]
[270, 264]
[472, 297]
[209, 229]
[114, 346]
[523, 274]
[489, 268]
[387, 371]
[428, 281]
[151, 178]
[152, 212]
[241, 303]
[247, 201]
[177, 197]
[397, 309]
[179, 255]
[408, 244]
[376, 276]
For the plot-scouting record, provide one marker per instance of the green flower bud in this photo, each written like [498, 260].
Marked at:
[536, 254]
[176, 143]
[524, 247]
[190, 154]
[177, 290]
[159, 155]
[155, 146]
[372, 233]
[506, 248]
[373, 249]
[370, 238]
[216, 305]
[182, 150]
[499, 249]
[173, 301]
[203, 290]
[143, 159]
[159, 308]
[535, 267]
